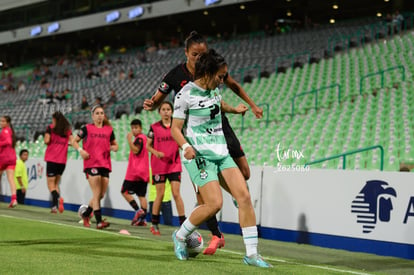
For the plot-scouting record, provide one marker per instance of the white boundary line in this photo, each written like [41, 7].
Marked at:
[222, 250]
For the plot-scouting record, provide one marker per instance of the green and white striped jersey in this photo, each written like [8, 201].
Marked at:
[201, 110]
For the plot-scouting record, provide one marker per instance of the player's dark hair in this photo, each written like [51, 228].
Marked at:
[62, 124]
[208, 64]
[23, 151]
[165, 102]
[8, 120]
[194, 38]
[136, 121]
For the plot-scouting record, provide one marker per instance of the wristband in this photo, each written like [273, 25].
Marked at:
[185, 146]
[79, 149]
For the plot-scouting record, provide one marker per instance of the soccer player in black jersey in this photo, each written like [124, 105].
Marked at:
[173, 81]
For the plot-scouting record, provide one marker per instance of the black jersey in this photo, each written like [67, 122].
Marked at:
[175, 79]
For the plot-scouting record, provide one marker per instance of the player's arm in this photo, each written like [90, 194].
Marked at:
[240, 92]
[152, 150]
[134, 147]
[46, 138]
[114, 143]
[240, 109]
[77, 139]
[176, 133]
[155, 101]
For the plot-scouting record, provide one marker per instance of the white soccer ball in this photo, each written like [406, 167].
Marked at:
[195, 244]
[82, 210]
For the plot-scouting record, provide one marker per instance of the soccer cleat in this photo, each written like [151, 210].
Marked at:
[155, 230]
[256, 260]
[213, 244]
[86, 221]
[140, 222]
[138, 215]
[53, 210]
[180, 248]
[61, 207]
[103, 224]
[13, 204]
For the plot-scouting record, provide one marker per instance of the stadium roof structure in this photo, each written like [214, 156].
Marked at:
[235, 17]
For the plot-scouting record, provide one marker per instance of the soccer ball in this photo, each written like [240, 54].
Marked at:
[82, 210]
[194, 243]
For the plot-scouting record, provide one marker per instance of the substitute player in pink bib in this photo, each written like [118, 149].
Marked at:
[8, 155]
[98, 142]
[58, 136]
[137, 174]
[165, 164]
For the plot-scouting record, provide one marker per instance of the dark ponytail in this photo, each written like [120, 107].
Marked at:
[208, 64]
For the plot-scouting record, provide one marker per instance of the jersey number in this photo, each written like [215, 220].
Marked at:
[214, 110]
[201, 163]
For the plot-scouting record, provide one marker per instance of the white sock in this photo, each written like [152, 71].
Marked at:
[250, 238]
[186, 229]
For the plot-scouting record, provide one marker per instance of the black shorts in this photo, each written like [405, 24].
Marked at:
[54, 169]
[233, 144]
[156, 179]
[135, 187]
[103, 172]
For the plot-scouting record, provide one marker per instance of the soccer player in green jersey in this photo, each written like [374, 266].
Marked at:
[197, 128]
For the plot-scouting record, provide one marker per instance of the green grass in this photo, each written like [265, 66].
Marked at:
[34, 241]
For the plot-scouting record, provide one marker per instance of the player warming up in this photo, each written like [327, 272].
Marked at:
[197, 128]
[58, 136]
[137, 174]
[165, 164]
[8, 155]
[98, 142]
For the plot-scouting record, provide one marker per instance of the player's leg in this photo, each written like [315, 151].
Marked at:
[175, 189]
[127, 194]
[217, 238]
[247, 218]
[102, 187]
[61, 207]
[10, 179]
[211, 193]
[155, 219]
[140, 189]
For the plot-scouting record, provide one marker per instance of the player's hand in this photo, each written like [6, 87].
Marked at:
[189, 153]
[129, 136]
[159, 154]
[241, 109]
[257, 111]
[148, 104]
[23, 190]
[84, 154]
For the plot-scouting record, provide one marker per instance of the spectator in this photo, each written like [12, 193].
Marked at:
[130, 74]
[112, 99]
[21, 88]
[20, 176]
[66, 74]
[122, 75]
[84, 103]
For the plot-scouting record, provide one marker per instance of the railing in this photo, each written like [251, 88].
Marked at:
[241, 71]
[267, 116]
[381, 73]
[315, 91]
[343, 155]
